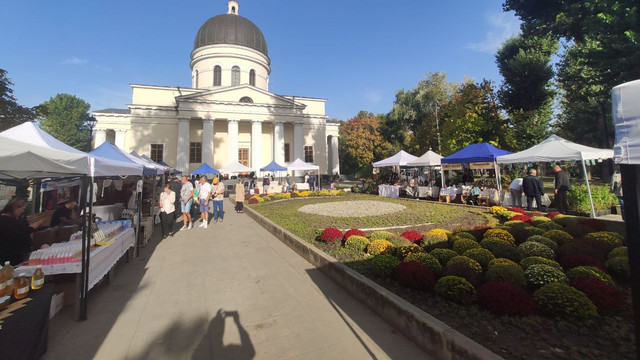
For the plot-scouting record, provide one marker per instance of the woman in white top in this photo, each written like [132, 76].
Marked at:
[167, 207]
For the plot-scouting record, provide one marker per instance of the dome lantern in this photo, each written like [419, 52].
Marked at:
[233, 7]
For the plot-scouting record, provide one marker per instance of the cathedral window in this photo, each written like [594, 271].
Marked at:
[217, 75]
[157, 151]
[235, 76]
[195, 153]
[287, 156]
[246, 99]
[308, 154]
[252, 77]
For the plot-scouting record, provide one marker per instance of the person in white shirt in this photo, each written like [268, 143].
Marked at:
[516, 192]
[204, 195]
[217, 192]
[167, 207]
[186, 200]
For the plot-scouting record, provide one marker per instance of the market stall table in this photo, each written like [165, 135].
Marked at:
[108, 212]
[24, 334]
[424, 191]
[506, 199]
[389, 190]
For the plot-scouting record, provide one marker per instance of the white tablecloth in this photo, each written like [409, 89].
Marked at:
[424, 191]
[506, 200]
[102, 259]
[302, 186]
[389, 190]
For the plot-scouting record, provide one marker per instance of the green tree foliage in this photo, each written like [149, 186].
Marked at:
[473, 116]
[66, 119]
[602, 40]
[526, 93]
[361, 143]
[12, 113]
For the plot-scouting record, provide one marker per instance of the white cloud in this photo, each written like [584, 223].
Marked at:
[74, 60]
[501, 26]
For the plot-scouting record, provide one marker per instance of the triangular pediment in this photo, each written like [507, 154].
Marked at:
[234, 94]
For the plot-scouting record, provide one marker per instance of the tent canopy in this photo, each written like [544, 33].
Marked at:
[429, 158]
[235, 167]
[205, 169]
[30, 134]
[555, 148]
[299, 165]
[110, 151]
[273, 166]
[160, 168]
[626, 117]
[399, 159]
[473, 153]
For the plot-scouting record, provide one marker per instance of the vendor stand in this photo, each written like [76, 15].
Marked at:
[400, 159]
[299, 165]
[272, 167]
[431, 161]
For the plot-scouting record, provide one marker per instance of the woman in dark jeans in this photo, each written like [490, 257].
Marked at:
[14, 233]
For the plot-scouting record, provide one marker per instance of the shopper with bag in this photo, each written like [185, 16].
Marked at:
[167, 208]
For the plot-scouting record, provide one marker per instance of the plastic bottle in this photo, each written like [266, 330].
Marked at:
[8, 278]
[21, 289]
[37, 279]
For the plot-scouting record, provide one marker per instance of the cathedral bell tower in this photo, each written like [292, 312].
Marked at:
[233, 7]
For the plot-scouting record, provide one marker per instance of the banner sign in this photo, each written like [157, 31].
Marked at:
[451, 166]
[482, 165]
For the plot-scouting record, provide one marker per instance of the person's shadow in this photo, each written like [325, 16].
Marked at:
[212, 346]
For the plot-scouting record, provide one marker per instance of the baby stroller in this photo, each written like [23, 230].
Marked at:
[473, 198]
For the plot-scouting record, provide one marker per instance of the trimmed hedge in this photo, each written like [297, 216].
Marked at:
[456, 289]
[559, 299]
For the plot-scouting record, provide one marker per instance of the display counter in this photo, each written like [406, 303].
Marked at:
[389, 190]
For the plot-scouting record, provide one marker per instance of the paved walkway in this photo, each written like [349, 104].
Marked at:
[232, 291]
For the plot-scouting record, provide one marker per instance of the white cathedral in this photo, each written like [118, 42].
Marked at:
[228, 114]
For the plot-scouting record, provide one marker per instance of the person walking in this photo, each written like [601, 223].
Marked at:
[533, 189]
[306, 179]
[167, 208]
[312, 181]
[217, 193]
[176, 186]
[562, 186]
[616, 188]
[287, 181]
[239, 197]
[186, 201]
[516, 192]
[204, 195]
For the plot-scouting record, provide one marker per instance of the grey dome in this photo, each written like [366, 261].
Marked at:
[233, 30]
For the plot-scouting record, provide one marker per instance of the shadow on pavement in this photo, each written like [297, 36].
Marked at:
[211, 345]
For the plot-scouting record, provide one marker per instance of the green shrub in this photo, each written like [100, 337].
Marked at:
[403, 250]
[482, 256]
[578, 198]
[462, 245]
[530, 248]
[544, 241]
[500, 234]
[425, 259]
[520, 233]
[541, 275]
[383, 265]
[398, 240]
[566, 220]
[539, 219]
[443, 255]
[490, 243]
[463, 235]
[548, 225]
[609, 240]
[533, 260]
[381, 235]
[470, 263]
[502, 262]
[559, 236]
[431, 242]
[507, 251]
[514, 223]
[510, 274]
[619, 251]
[356, 243]
[378, 247]
[456, 289]
[559, 299]
[619, 266]
[590, 272]
[536, 231]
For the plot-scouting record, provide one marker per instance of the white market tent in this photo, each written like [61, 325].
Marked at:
[625, 100]
[429, 158]
[555, 148]
[31, 135]
[402, 158]
[299, 165]
[235, 167]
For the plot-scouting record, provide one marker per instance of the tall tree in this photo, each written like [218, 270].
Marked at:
[527, 93]
[12, 113]
[66, 119]
[361, 143]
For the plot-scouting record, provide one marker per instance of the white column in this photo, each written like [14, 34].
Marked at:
[100, 137]
[278, 142]
[232, 140]
[207, 141]
[298, 141]
[182, 158]
[256, 144]
[335, 159]
[120, 136]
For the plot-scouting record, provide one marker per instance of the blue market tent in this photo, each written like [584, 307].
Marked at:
[273, 166]
[473, 153]
[110, 151]
[173, 171]
[205, 169]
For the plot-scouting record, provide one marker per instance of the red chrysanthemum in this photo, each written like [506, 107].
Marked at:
[523, 218]
[574, 260]
[553, 214]
[517, 210]
[330, 235]
[504, 298]
[595, 224]
[413, 236]
[353, 232]
[414, 275]
[606, 297]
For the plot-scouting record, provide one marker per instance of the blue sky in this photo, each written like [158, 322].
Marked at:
[356, 53]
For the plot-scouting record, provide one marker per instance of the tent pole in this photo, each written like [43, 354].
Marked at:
[442, 176]
[80, 313]
[136, 249]
[496, 167]
[586, 180]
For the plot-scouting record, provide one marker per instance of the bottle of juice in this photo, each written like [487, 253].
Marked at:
[37, 279]
[21, 288]
[8, 278]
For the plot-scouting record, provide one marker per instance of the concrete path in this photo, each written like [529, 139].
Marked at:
[232, 291]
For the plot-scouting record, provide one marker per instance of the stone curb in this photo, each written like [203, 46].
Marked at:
[439, 340]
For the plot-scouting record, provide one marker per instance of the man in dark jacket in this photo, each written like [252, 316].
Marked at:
[175, 185]
[562, 186]
[533, 189]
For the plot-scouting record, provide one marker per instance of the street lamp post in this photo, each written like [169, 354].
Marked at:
[92, 124]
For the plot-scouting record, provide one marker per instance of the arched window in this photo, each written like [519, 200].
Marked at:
[252, 77]
[217, 75]
[235, 76]
[246, 99]
[196, 79]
